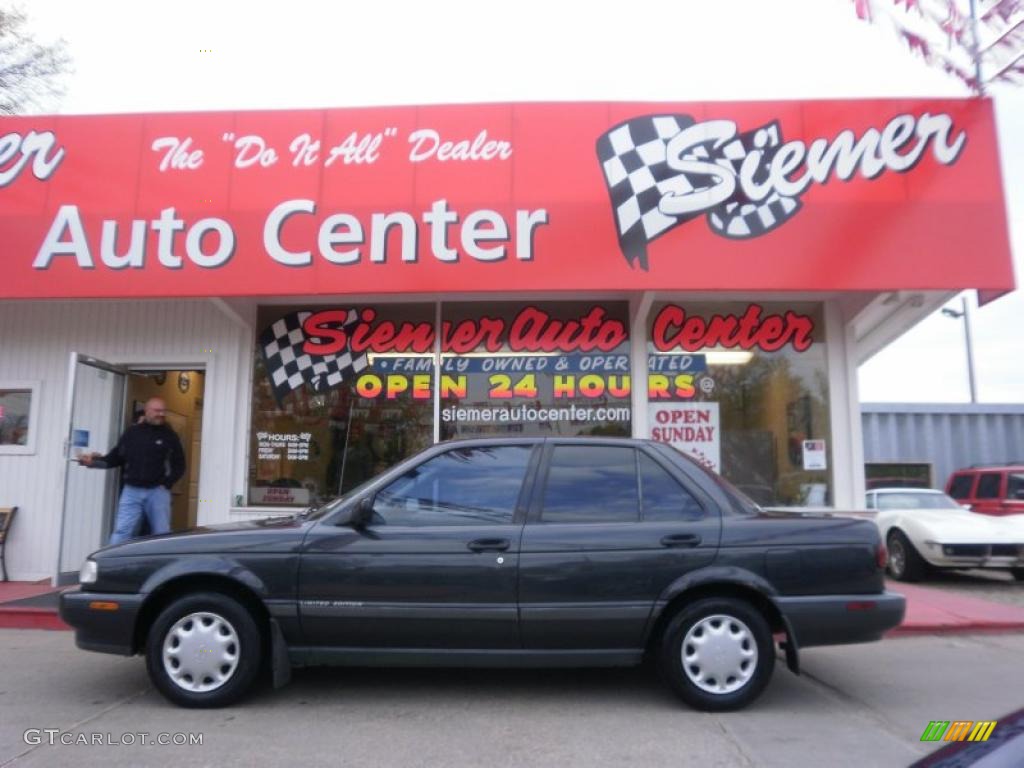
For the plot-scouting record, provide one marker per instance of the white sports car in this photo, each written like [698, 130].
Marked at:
[924, 528]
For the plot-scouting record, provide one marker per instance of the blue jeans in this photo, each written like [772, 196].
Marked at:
[154, 503]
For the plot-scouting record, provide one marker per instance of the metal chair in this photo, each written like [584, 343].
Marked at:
[6, 518]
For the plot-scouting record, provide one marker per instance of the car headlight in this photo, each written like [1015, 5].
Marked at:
[89, 573]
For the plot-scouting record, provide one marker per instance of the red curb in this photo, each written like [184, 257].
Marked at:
[31, 618]
[967, 627]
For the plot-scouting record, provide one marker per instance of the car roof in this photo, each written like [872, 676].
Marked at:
[991, 468]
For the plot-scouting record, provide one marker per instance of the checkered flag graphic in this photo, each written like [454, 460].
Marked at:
[288, 367]
[633, 156]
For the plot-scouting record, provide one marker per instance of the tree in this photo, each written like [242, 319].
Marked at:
[981, 42]
[30, 73]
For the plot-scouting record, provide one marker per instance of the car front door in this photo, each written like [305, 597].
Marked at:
[610, 527]
[435, 567]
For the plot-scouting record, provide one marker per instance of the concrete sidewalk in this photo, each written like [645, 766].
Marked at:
[929, 610]
[937, 611]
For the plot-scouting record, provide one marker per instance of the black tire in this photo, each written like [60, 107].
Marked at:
[1017, 573]
[227, 629]
[905, 564]
[748, 634]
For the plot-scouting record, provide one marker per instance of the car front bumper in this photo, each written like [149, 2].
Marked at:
[103, 621]
[959, 555]
[839, 619]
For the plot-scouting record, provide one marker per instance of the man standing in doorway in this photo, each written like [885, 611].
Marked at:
[153, 461]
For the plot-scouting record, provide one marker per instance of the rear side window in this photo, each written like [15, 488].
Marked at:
[988, 485]
[960, 488]
[662, 497]
[591, 484]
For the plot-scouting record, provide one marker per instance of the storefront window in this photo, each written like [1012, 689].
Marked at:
[17, 418]
[743, 388]
[545, 368]
[340, 394]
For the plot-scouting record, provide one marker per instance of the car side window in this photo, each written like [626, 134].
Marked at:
[465, 486]
[1015, 486]
[591, 484]
[871, 501]
[988, 485]
[960, 488]
[662, 498]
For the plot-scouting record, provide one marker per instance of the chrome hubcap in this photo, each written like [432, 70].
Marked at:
[896, 557]
[201, 652]
[719, 654]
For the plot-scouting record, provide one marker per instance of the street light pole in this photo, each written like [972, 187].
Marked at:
[970, 349]
[965, 313]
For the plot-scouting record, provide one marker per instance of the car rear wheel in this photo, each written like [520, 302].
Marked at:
[905, 564]
[717, 654]
[203, 650]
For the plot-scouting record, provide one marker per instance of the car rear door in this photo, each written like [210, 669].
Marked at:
[436, 566]
[610, 527]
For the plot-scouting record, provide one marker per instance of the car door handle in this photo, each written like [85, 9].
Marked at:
[680, 540]
[489, 545]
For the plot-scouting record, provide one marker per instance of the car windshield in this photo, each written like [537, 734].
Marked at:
[915, 500]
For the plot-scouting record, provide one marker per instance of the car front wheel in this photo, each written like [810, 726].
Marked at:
[1017, 573]
[717, 654]
[203, 650]
[905, 564]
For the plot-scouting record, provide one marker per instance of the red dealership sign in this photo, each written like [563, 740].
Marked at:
[832, 195]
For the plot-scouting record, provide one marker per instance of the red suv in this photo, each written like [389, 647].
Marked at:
[991, 490]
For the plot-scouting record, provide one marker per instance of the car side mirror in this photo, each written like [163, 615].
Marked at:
[966, 506]
[362, 513]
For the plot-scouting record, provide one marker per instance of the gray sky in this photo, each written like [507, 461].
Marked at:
[133, 56]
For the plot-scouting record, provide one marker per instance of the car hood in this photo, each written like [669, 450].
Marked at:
[274, 534]
[953, 526]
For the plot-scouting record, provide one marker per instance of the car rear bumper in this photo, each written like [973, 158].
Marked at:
[102, 621]
[835, 620]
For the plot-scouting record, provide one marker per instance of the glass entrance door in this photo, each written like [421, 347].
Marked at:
[97, 392]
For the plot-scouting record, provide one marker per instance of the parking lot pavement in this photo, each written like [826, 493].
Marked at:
[863, 705]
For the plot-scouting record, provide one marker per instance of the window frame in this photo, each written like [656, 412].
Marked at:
[34, 388]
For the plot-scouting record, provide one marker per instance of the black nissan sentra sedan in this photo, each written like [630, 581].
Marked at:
[496, 552]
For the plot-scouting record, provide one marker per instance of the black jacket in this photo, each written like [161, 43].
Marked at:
[150, 454]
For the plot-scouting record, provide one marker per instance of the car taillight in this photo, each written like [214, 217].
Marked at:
[882, 555]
